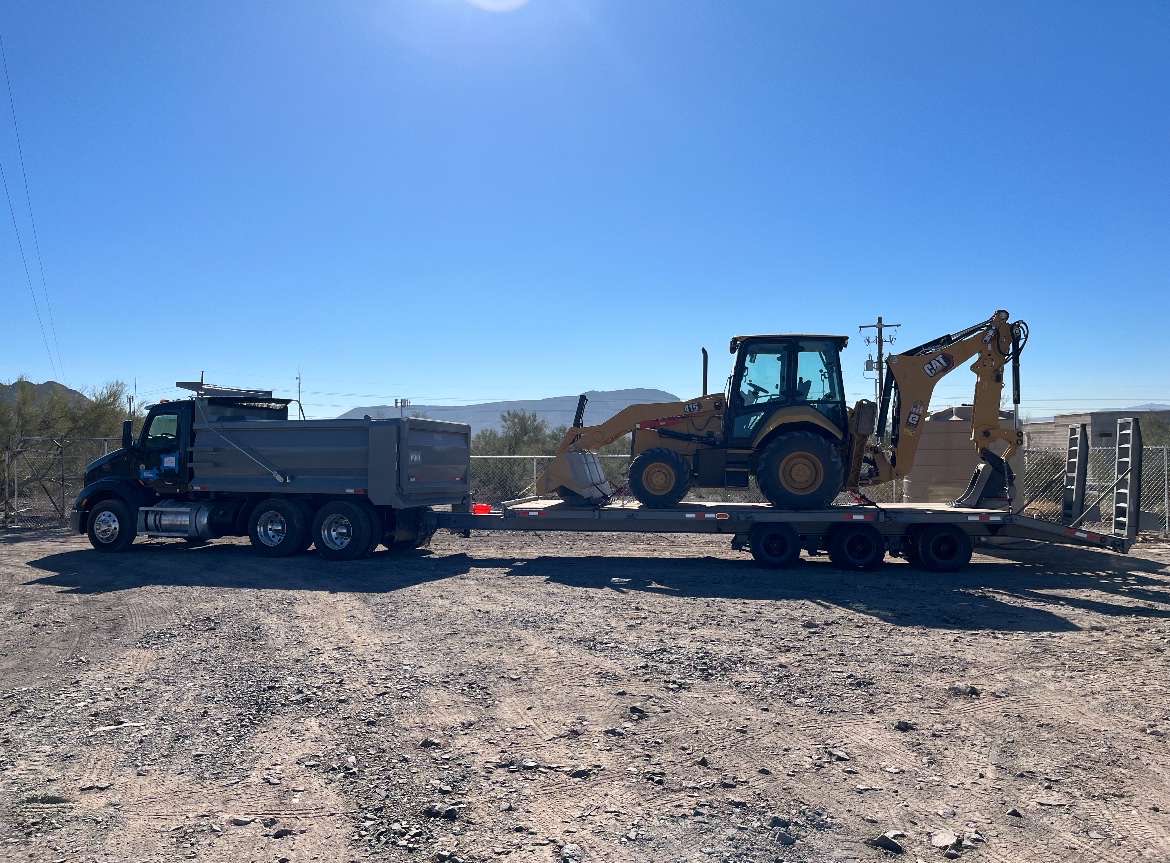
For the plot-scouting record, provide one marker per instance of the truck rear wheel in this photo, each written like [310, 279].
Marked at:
[800, 470]
[277, 527]
[111, 526]
[341, 530]
[659, 478]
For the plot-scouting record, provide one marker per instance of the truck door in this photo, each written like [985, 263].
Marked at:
[164, 445]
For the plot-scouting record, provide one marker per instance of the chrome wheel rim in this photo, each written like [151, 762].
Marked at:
[271, 528]
[337, 532]
[106, 526]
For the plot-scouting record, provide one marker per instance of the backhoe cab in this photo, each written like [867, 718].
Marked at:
[782, 419]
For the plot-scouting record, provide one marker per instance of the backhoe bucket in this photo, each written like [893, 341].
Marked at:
[577, 478]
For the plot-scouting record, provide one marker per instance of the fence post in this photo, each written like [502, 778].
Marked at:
[534, 474]
[61, 466]
[1165, 491]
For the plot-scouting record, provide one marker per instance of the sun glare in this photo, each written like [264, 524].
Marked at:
[498, 5]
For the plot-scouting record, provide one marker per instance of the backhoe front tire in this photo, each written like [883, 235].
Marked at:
[659, 478]
[800, 470]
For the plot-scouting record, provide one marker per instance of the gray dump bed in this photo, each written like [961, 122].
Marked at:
[397, 462]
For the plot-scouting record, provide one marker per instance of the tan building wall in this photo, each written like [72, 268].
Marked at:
[946, 457]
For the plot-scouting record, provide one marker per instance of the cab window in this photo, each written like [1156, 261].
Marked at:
[764, 376]
[163, 433]
[817, 374]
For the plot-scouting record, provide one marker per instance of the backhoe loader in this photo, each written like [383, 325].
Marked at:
[783, 420]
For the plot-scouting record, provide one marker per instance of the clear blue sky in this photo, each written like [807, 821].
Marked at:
[432, 200]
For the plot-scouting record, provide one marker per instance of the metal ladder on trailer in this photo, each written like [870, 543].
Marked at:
[1126, 487]
[1127, 501]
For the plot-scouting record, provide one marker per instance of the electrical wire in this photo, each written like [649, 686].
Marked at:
[28, 278]
[28, 200]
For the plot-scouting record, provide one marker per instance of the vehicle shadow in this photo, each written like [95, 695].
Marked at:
[1024, 588]
[1025, 592]
[236, 566]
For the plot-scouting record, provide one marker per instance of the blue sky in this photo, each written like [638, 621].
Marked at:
[431, 200]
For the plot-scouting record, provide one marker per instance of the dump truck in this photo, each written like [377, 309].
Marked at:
[230, 462]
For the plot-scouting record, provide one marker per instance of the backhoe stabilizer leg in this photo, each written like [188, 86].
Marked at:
[992, 484]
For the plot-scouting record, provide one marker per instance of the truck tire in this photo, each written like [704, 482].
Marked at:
[659, 478]
[800, 470]
[377, 527]
[341, 530]
[942, 548]
[111, 525]
[856, 547]
[775, 546]
[277, 527]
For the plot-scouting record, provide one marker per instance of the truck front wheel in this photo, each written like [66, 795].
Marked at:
[277, 528]
[341, 530]
[111, 526]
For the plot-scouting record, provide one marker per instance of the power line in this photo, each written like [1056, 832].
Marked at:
[31, 217]
[27, 278]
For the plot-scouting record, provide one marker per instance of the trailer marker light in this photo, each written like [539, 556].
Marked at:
[722, 516]
[481, 509]
[865, 516]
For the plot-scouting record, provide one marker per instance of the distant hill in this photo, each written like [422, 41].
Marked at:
[556, 411]
[40, 392]
[1149, 406]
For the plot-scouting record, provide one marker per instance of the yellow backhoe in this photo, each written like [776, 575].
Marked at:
[783, 419]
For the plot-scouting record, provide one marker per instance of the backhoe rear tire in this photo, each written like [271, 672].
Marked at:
[659, 478]
[800, 470]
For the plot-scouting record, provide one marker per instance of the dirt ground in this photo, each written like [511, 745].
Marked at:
[561, 697]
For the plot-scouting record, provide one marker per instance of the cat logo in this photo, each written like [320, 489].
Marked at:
[939, 365]
[692, 408]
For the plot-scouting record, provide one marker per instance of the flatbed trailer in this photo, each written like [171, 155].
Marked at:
[936, 537]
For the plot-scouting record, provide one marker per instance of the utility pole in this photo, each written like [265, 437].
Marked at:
[300, 404]
[881, 340]
[402, 405]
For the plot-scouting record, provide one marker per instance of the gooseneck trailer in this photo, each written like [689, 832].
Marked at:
[231, 463]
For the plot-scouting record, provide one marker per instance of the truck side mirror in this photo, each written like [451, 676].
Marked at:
[127, 434]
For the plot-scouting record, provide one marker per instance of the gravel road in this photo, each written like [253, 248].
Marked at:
[569, 697]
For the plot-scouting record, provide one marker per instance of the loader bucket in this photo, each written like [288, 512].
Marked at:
[577, 478]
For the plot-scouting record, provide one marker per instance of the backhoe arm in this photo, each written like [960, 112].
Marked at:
[914, 374]
[592, 438]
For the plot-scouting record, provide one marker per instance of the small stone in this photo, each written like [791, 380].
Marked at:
[964, 689]
[779, 821]
[581, 773]
[637, 712]
[838, 754]
[528, 764]
[440, 810]
[737, 802]
[1015, 813]
[430, 743]
[703, 762]
[904, 725]
[283, 833]
[888, 841]
[240, 821]
[572, 851]
[943, 838]
[784, 838]
[615, 732]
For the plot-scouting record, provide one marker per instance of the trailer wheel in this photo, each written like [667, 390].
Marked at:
[856, 546]
[341, 530]
[659, 478]
[277, 527]
[942, 548]
[111, 526]
[775, 546]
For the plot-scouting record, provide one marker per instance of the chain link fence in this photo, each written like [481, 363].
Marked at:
[40, 477]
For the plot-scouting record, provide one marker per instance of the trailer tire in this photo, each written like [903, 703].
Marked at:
[775, 546]
[111, 525]
[659, 478]
[942, 548]
[800, 470]
[277, 527]
[856, 547]
[341, 530]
